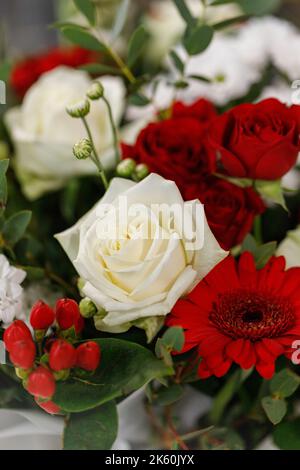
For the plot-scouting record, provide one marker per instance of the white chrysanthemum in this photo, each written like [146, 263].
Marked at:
[11, 305]
[230, 74]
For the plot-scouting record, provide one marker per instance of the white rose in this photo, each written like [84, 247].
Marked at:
[132, 275]
[290, 248]
[11, 292]
[44, 134]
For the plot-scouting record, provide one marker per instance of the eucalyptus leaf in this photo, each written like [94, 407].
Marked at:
[173, 338]
[284, 383]
[92, 430]
[198, 39]
[275, 408]
[184, 12]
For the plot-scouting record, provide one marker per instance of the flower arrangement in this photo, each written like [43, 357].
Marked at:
[148, 226]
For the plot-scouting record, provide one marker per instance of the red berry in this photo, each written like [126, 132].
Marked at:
[68, 315]
[22, 353]
[62, 355]
[41, 316]
[88, 355]
[48, 406]
[41, 383]
[15, 332]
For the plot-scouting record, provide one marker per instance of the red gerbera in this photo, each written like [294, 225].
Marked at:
[241, 315]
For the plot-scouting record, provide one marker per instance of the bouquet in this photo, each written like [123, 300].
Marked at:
[149, 211]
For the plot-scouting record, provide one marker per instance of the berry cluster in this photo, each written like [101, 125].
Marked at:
[45, 359]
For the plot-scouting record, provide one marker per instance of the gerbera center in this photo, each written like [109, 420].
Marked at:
[252, 315]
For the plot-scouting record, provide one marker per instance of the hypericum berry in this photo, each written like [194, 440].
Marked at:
[126, 168]
[48, 406]
[15, 332]
[22, 353]
[88, 356]
[68, 315]
[41, 383]
[62, 355]
[42, 316]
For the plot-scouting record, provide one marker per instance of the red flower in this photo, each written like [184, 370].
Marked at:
[27, 72]
[48, 406]
[230, 210]
[176, 148]
[241, 315]
[17, 331]
[68, 315]
[41, 316]
[257, 141]
[41, 383]
[62, 355]
[22, 353]
[88, 356]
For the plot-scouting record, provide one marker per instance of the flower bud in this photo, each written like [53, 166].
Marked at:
[41, 383]
[79, 109]
[62, 374]
[83, 149]
[68, 315]
[95, 91]
[42, 316]
[22, 353]
[22, 373]
[87, 308]
[141, 171]
[62, 355]
[17, 331]
[126, 167]
[88, 356]
[48, 406]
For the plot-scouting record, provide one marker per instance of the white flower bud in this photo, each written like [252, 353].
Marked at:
[95, 91]
[87, 308]
[83, 149]
[79, 109]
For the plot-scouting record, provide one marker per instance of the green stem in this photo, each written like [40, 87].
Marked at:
[258, 229]
[122, 66]
[95, 157]
[114, 130]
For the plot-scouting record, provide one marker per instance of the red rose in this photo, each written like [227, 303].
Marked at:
[27, 72]
[241, 315]
[230, 210]
[257, 141]
[176, 147]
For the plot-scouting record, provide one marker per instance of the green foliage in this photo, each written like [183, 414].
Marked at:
[275, 408]
[221, 439]
[15, 227]
[124, 367]
[173, 338]
[271, 190]
[287, 435]
[259, 7]
[184, 12]
[136, 45]
[168, 395]
[3, 185]
[179, 65]
[88, 9]
[198, 39]
[284, 383]
[92, 430]
[82, 37]
[261, 253]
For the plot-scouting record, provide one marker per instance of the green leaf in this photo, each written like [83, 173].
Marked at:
[173, 338]
[92, 430]
[83, 38]
[120, 18]
[179, 65]
[259, 7]
[221, 439]
[271, 190]
[124, 367]
[88, 9]
[200, 78]
[136, 45]
[162, 352]
[198, 39]
[3, 184]
[138, 99]
[15, 227]
[287, 435]
[34, 273]
[95, 68]
[229, 22]
[167, 396]
[284, 383]
[261, 253]
[184, 12]
[275, 408]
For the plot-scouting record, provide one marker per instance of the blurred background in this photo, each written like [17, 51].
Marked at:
[24, 24]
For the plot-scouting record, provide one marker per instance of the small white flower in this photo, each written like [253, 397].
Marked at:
[290, 248]
[11, 292]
